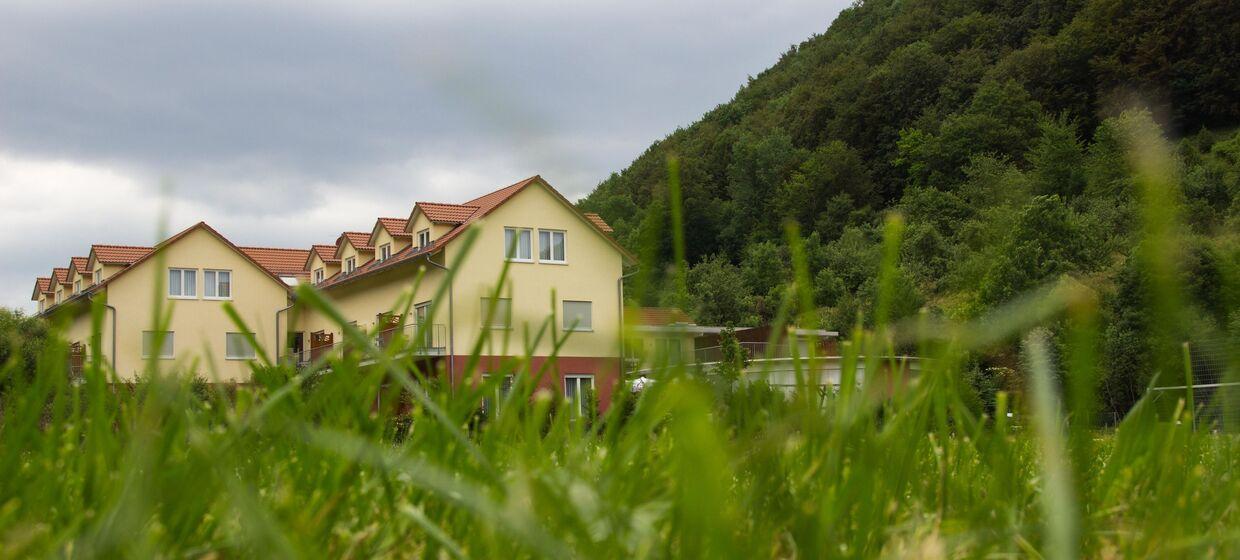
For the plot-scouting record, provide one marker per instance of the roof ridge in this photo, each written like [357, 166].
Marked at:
[272, 248]
[122, 246]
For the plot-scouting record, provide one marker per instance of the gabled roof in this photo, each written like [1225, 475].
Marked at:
[394, 226]
[60, 276]
[440, 213]
[175, 238]
[483, 205]
[598, 222]
[360, 240]
[42, 285]
[78, 264]
[278, 261]
[326, 253]
[118, 254]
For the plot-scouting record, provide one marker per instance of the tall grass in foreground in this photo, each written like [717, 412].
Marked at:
[303, 464]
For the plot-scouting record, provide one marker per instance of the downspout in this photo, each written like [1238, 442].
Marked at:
[620, 294]
[451, 327]
[113, 309]
[279, 345]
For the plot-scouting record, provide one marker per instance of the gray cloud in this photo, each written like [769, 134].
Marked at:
[263, 115]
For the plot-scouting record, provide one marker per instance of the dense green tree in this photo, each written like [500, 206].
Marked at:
[22, 339]
[718, 293]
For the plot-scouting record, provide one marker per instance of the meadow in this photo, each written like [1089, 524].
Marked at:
[303, 463]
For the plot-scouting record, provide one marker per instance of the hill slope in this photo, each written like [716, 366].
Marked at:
[999, 129]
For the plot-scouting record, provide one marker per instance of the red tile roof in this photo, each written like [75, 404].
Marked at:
[326, 253]
[598, 222]
[395, 226]
[360, 240]
[119, 254]
[78, 264]
[278, 261]
[483, 205]
[42, 285]
[198, 226]
[440, 213]
[659, 316]
[60, 276]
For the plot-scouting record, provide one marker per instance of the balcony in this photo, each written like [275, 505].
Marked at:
[414, 339]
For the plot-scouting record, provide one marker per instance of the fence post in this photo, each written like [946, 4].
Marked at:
[1188, 384]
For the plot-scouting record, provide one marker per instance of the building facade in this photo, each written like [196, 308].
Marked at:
[562, 278]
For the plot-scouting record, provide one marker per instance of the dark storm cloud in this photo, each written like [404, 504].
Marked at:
[254, 111]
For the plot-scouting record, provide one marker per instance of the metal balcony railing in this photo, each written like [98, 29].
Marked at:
[412, 339]
[752, 351]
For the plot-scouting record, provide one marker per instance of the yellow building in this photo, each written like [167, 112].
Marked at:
[191, 275]
[564, 277]
[562, 267]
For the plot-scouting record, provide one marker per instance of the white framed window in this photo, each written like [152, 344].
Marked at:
[578, 389]
[385, 252]
[42, 305]
[578, 315]
[318, 275]
[183, 283]
[517, 244]
[350, 264]
[492, 402]
[551, 246]
[237, 346]
[500, 316]
[424, 238]
[217, 284]
[98, 275]
[77, 286]
[165, 345]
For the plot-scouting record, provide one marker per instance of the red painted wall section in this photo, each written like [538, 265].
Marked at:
[605, 371]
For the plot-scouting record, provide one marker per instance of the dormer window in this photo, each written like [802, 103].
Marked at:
[385, 252]
[350, 264]
[318, 275]
[424, 238]
[77, 286]
[98, 275]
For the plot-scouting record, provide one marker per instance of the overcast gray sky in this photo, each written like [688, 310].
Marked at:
[284, 123]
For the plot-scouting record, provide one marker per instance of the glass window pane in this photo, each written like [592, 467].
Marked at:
[509, 248]
[174, 282]
[557, 246]
[237, 346]
[578, 315]
[208, 283]
[225, 284]
[524, 250]
[191, 282]
[544, 245]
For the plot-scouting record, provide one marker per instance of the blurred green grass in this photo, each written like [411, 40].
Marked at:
[304, 464]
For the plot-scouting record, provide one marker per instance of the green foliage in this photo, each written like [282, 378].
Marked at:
[22, 341]
[957, 115]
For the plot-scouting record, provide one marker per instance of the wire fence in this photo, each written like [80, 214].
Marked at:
[1215, 391]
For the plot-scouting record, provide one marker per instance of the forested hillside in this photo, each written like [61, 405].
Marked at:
[999, 130]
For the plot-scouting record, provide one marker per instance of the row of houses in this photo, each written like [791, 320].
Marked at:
[561, 264]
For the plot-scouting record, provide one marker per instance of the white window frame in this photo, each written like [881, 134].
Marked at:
[499, 315]
[193, 287]
[319, 274]
[517, 232]
[587, 326]
[494, 402]
[424, 238]
[215, 272]
[245, 337]
[77, 286]
[98, 276]
[350, 264]
[385, 252]
[169, 342]
[575, 380]
[550, 246]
